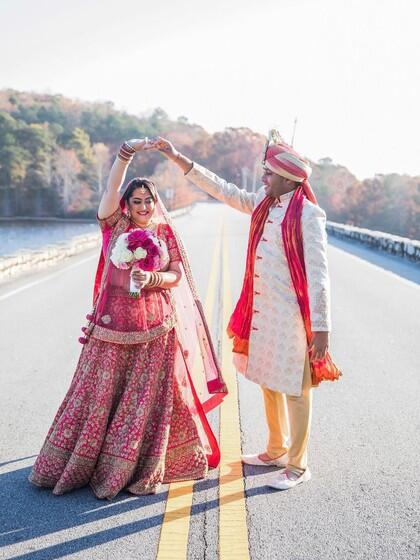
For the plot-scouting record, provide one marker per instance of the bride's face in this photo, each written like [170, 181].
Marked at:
[141, 206]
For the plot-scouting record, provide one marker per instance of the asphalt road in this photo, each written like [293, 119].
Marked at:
[363, 500]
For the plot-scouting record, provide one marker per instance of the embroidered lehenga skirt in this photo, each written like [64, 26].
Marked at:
[126, 420]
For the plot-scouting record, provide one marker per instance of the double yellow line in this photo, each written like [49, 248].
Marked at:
[233, 533]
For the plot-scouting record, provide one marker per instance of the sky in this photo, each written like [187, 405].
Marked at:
[348, 70]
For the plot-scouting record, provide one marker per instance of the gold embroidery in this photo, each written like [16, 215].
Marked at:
[136, 337]
[121, 227]
[111, 220]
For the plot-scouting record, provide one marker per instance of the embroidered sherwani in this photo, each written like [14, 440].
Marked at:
[277, 344]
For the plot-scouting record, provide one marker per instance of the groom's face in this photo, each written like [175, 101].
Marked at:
[275, 185]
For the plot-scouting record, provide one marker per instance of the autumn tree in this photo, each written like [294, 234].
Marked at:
[55, 154]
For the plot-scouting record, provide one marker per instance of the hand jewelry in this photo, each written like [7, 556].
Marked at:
[156, 280]
[126, 153]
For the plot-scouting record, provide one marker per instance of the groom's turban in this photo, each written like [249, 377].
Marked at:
[283, 160]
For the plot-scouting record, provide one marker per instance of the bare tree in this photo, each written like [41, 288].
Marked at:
[67, 168]
[101, 158]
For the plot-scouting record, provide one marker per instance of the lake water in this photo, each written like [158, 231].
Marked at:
[20, 234]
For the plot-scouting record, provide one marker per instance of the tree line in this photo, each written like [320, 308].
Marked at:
[55, 154]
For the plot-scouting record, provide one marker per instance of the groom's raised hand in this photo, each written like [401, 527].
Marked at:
[162, 145]
[168, 149]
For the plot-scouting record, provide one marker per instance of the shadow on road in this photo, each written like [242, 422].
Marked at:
[29, 513]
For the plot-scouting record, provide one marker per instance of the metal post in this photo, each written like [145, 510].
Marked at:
[294, 131]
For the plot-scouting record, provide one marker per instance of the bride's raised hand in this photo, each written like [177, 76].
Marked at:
[140, 144]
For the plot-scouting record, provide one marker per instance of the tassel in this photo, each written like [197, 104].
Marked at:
[88, 328]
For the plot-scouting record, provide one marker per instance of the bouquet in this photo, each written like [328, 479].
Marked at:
[139, 249]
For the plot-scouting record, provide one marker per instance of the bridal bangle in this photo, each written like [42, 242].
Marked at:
[156, 280]
[126, 153]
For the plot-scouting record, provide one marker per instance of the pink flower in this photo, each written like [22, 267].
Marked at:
[137, 238]
[145, 240]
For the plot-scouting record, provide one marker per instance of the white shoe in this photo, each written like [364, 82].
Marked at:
[257, 462]
[283, 482]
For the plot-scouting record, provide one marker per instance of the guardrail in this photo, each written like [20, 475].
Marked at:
[393, 244]
[24, 260]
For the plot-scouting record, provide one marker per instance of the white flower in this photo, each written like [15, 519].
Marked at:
[125, 255]
[120, 254]
[140, 253]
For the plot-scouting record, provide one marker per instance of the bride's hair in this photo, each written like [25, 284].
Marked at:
[136, 183]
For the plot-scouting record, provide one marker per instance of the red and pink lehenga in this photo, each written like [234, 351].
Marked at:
[134, 416]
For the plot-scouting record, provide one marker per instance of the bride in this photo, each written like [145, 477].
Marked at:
[133, 417]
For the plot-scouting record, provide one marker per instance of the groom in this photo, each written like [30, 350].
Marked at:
[281, 323]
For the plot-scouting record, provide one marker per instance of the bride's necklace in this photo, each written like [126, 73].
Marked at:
[151, 226]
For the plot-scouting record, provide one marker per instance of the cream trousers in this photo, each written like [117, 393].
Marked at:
[289, 422]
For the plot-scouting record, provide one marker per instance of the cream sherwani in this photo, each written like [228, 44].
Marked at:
[277, 345]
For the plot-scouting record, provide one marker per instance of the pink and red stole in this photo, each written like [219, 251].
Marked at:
[239, 327]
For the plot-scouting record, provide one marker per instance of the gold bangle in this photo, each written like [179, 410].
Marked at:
[128, 153]
[153, 280]
[130, 147]
[156, 280]
[125, 156]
